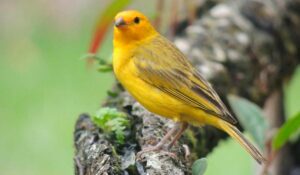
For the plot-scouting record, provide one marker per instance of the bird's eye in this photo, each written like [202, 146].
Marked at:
[136, 20]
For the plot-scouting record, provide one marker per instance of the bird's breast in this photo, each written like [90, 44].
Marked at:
[149, 96]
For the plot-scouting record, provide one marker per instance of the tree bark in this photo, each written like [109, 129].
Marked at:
[248, 48]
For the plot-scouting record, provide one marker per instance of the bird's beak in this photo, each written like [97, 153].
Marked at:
[120, 22]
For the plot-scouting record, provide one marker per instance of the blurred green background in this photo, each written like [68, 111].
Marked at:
[44, 86]
[44, 83]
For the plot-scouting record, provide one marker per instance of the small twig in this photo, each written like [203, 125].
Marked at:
[271, 154]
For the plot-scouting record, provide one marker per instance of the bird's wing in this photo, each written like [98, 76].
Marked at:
[162, 65]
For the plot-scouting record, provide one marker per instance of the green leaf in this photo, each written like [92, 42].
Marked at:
[104, 65]
[110, 120]
[199, 166]
[112, 93]
[105, 68]
[289, 128]
[120, 136]
[251, 118]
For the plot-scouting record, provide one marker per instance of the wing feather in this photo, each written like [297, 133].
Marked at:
[169, 70]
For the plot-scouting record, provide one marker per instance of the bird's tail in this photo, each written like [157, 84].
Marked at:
[238, 136]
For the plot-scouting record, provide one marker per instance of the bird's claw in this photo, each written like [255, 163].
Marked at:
[155, 149]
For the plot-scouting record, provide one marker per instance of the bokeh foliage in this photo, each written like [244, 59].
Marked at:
[44, 85]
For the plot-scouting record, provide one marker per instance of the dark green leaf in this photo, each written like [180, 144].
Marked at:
[112, 93]
[286, 131]
[105, 68]
[251, 118]
[199, 166]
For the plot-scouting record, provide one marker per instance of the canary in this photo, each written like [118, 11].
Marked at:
[161, 78]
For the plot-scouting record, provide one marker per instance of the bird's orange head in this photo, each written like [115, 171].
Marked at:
[132, 26]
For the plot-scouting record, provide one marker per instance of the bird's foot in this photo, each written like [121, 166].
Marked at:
[149, 149]
[157, 148]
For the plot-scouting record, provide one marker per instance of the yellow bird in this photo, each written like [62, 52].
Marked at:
[162, 79]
